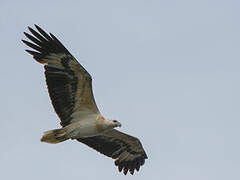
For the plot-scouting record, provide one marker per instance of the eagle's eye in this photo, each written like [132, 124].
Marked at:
[114, 121]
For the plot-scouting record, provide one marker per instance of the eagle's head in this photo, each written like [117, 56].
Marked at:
[103, 124]
[112, 123]
[116, 123]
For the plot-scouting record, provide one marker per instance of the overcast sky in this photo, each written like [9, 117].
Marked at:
[169, 71]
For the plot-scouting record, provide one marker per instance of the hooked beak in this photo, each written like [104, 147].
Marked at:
[119, 124]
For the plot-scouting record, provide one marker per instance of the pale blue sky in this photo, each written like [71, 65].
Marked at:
[167, 70]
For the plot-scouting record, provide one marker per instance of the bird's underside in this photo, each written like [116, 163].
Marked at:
[70, 89]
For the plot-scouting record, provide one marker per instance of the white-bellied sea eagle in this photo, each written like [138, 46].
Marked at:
[70, 89]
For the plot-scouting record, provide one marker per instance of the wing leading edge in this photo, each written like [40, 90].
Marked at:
[69, 84]
[127, 150]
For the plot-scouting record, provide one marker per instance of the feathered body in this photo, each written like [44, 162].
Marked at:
[91, 125]
[70, 89]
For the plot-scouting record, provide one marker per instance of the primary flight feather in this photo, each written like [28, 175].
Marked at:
[70, 89]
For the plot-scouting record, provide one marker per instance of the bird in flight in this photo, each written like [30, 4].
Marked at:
[70, 89]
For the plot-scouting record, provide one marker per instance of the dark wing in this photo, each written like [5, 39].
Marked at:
[69, 84]
[127, 150]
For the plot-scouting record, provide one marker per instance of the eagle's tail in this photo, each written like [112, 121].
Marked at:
[54, 136]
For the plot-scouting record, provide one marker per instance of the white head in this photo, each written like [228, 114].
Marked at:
[116, 123]
[112, 123]
[103, 124]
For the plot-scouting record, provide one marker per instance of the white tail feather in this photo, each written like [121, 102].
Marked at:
[54, 136]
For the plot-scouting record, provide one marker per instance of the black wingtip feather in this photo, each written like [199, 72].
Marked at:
[131, 166]
[120, 168]
[43, 43]
[35, 47]
[37, 35]
[43, 33]
[125, 171]
[138, 166]
[131, 171]
[37, 26]
[31, 52]
[54, 37]
[37, 56]
[39, 43]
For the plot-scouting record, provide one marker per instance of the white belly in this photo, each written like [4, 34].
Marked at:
[81, 129]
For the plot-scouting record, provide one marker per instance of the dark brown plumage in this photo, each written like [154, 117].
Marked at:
[70, 89]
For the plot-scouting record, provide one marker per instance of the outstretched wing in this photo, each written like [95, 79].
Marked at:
[69, 84]
[127, 150]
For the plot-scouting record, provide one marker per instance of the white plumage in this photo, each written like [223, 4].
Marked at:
[70, 90]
